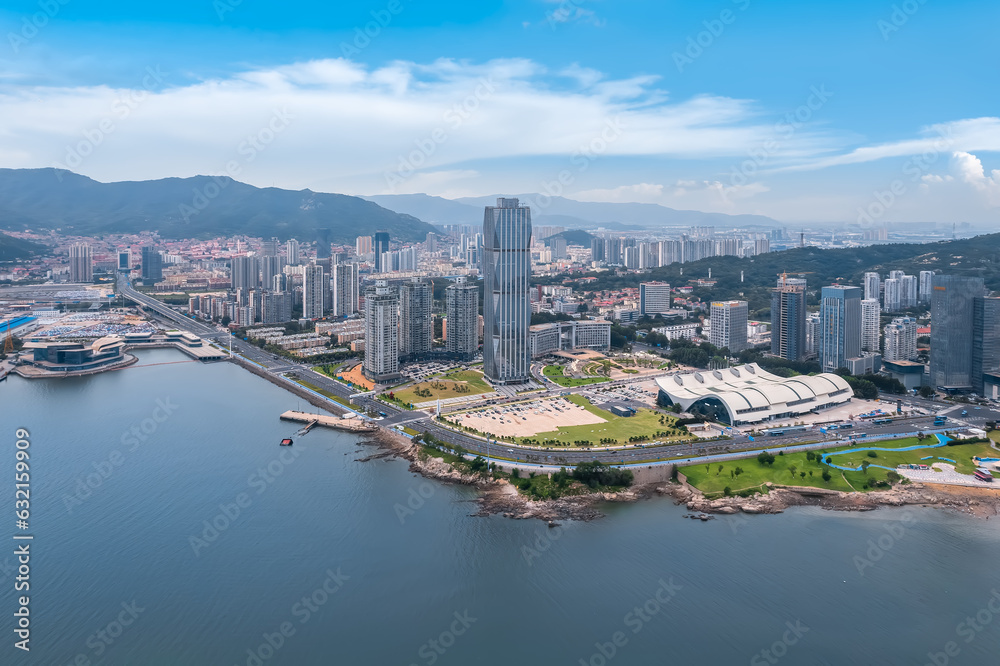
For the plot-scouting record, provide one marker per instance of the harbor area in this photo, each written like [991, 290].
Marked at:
[349, 424]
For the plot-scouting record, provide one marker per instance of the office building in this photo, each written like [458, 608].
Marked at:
[569, 335]
[870, 312]
[729, 325]
[507, 308]
[381, 362]
[380, 248]
[952, 314]
[872, 283]
[654, 298]
[840, 326]
[292, 252]
[313, 291]
[416, 325]
[125, 261]
[985, 341]
[900, 340]
[462, 313]
[788, 322]
[81, 263]
[346, 280]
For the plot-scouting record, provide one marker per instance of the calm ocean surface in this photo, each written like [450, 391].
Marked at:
[125, 571]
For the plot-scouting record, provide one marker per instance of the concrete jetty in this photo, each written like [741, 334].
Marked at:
[329, 421]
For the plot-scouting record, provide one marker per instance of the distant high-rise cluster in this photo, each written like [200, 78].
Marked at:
[701, 243]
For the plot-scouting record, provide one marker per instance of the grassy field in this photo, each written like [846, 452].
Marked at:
[555, 374]
[711, 480]
[332, 396]
[646, 422]
[450, 385]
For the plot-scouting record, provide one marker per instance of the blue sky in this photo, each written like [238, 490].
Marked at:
[684, 104]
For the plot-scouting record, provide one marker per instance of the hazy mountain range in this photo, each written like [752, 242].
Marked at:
[201, 206]
[560, 211]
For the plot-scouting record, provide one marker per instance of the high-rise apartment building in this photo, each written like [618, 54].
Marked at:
[952, 314]
[870, 312]
[416, 325]
[840, 326]
[872, 283]
[892, 296]
[507, 308]
[363, 246]
[381, 362]
[812, 334]
[313, 291]
[269, 248]
[346, 281]
[908, 291]
[81, 263]
[462, 313]
[729, 325]
[926, 286]
[292, 252]
[788, 322]
[654, 298]
[245, 273]
[900, 339]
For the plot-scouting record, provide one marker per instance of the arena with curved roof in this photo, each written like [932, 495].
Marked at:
[747, 394]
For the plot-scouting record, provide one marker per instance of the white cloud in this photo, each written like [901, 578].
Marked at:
[969, 169]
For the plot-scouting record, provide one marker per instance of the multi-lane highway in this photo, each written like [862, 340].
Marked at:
[280, 367]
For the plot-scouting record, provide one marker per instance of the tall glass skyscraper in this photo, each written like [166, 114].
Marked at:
[840, 326]
[507, 308]
[788, 322]
[952, 306]
[380, 245]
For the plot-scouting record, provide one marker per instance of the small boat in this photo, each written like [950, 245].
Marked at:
[286, 441]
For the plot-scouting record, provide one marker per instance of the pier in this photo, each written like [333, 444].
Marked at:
[329, 421]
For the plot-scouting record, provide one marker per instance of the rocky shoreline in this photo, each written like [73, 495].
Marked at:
[498, 497]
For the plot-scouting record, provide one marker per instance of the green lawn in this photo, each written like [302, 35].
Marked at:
[332, 396]
[449, 385]
[711, 481]
[645, 422]
[555, 374]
